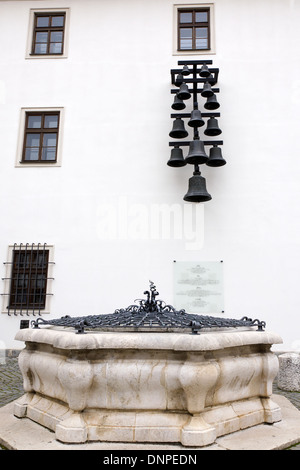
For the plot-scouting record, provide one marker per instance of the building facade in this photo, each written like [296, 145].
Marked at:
[91, 211]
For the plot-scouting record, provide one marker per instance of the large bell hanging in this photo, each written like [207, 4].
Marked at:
[176, 160]
[196, 153]
[196, 119]
[197, 190]
[215, 157]
[211, 103]
[212, 127]
[207, 91]
[178, 131]
[183, 93]
[204, 71]
[178, 104]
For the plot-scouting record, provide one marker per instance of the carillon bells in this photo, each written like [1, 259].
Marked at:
[178, 80]
[196, 153]
[183, 93]
[197, 191]
[212, 127]
[192, 79]
[204, 71]
[215, 157]
[178, 104]
[185, 70]
[176, 160]
[211, 103]
[178, 131]
[207, 91]
[196, 119]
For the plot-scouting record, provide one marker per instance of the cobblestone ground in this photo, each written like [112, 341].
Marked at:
[11, 387]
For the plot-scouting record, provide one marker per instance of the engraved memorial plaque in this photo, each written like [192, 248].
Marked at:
[198, 287]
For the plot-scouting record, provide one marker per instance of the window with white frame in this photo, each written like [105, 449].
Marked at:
[48, 33]
[40, 137]
[194, 29]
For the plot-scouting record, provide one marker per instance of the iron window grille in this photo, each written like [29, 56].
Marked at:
[28, 279]
[48, 33]
[193, 29]
[41, 137]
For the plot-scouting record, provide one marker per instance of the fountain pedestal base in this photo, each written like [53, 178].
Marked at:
[147, 387]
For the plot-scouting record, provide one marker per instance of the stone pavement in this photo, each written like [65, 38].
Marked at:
[11, 388]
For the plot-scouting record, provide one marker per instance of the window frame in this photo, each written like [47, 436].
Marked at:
[7, 307]
[195, 7]
[29, 273]
[20, 162]
[49, 29]
[42, 131]
[33, 13]
[193, 25]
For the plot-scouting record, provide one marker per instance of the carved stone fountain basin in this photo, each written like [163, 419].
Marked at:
[147, 387]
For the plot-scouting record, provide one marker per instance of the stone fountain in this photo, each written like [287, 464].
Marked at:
[147, 373]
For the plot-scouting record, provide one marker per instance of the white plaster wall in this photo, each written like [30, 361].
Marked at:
[96, 208]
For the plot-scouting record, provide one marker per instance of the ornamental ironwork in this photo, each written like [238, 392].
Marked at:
[147, 315]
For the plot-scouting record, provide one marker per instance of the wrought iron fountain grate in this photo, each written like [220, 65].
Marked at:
[148, 314]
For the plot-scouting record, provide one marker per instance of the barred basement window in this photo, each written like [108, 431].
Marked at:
[28, 278]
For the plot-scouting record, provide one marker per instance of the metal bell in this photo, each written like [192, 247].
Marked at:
[207, 91]
[196, 153]
[178, 131]
[197, 189]
[211, 103]
[204, 71]
[185, 70]
[196, 119]
[215, 157]
[212, 127]
[178, 104]
[178, 79]
[183, 93]
[176, 159]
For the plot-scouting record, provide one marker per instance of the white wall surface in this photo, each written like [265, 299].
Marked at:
[96, 208]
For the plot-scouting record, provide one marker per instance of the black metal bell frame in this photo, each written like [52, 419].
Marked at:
[176, 160]
[189, 76]
[178, 131]
[196, 153]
